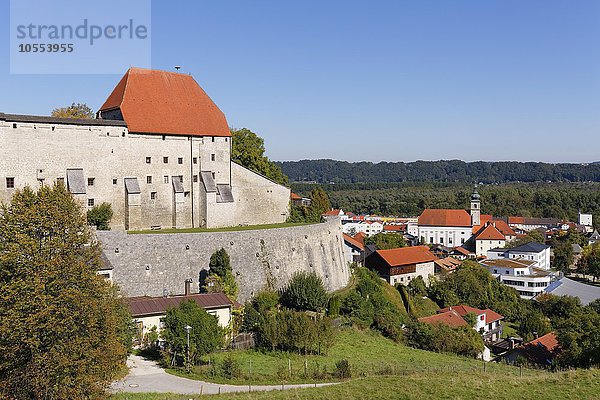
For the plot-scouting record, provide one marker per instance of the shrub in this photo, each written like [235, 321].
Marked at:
[342, 369]
[230, 367]
[100, 216]
[305, 291]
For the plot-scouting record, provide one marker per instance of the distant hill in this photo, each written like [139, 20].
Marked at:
[325, 171]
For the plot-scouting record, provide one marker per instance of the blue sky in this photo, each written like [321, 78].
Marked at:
[374, 80]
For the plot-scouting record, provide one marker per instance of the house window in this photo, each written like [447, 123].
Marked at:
[431, 240]
[212, 157]
[165, 160]
[91, 181]
[195, 160]
[149, 179]
[14, 126]
[449, 240]
[10, 183]
[226, 140]
[91, 202]
[213, 175]
[166, 179]
[213, 139]
[180, 160]
[114, 181]
[181, 178]
[442, 240]
[195, 178]
[152, 195]
[148, 160]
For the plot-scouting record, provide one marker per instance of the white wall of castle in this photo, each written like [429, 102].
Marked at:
[108, 154]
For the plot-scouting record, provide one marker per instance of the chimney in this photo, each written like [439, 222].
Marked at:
[188, 283]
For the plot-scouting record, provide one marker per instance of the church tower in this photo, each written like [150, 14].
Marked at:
[475, 208]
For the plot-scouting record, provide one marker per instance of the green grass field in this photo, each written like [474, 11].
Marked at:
[369, 355]
[229, 229]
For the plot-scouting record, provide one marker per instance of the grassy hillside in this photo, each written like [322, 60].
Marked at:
[426, 386]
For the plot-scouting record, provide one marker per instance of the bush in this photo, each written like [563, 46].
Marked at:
[100, 216]
[305, 291]
[231, 367]
[342, 369]
[441, 338]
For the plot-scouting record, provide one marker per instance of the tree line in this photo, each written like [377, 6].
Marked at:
[326, 171]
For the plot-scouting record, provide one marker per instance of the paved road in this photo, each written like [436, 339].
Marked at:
[147, 377]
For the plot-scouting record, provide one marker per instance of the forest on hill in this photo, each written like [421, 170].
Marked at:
[558, 200]
[327, 171]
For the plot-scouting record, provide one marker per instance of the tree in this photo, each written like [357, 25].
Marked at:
[63, 330]
[386, 241]
[532, 323]
[589, 263]
[305, 291]
[77, 111]
[563, 256]
[532, 236]
[205, 336]
[248, 150]
[318, 206]
[221, 275]
[100, 216]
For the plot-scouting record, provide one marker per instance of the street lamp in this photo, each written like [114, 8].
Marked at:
[188, 329]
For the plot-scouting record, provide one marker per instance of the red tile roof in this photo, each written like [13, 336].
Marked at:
[163, 102]
[462, 250]
[500, 225]
[360, 237]
[332, 212]
[393, 228]
[489, 233]
[442, 217]
[407, 255]
[548, 341]
[144, 306]
[294, 196]
[449, 318]
[359, 244]
[516, 220]
[462, 310]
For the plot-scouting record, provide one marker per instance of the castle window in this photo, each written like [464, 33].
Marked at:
[14, 126]
[149, 179]
[212, 157]
[91, 202]
[91, 181]
[213, 138]
[166, 160]
[10, 183]
[180, 160]
[152, 195]
[114, 181]
[226, 140]
[148, 160]
[195, 178]
[166, 179]
[195, 160]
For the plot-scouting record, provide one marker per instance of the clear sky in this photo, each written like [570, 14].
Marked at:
[373, 80]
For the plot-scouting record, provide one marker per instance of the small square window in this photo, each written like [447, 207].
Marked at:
[152, 195]
[212, 157]
[149, 179]
[166, 160]
[14, 126]
[166, 179]
[226, 140]
[91, 202]
[180, 160]
[91, 181]
[148, 160]
[195, 160]
[195, 178]
[10, 183]
[114, 181]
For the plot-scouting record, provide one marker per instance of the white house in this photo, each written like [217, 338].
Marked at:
[489, 237]
[532, 251]
[369, 228]
[148, 312]
[520, 274]
[586, 221]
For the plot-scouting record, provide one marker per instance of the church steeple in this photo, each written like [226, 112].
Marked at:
[475, 208]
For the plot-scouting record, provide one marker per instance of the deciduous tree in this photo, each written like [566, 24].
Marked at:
[77, 111]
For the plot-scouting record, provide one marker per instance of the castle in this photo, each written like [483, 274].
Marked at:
[159, 151]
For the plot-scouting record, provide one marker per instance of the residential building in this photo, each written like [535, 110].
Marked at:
[148, 312]
[532, 251]
[403, 265]
[520, 274]
[488, 237]
[299, 201]
[488, 322]
[540, 351]
[529, 224]
[446, 265]
[594, 237]
[354, 249]
[586, 220]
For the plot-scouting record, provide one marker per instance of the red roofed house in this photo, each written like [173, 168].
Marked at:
[541, 351]
[403, 264]
[354, 248]
[299, 201]
[148, 312]
[488, 321]
[449, 318]
[488, 237]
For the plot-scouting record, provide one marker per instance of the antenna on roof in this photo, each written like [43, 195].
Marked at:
[177, 67]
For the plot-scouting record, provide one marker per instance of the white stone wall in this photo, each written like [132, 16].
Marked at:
[108, 154]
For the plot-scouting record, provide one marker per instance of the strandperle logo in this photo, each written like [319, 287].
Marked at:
[85, 30]
[79, 36]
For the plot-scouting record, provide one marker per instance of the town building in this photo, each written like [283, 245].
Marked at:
[527, 224]
[487, 238]
[299, 201]
[488, 322]
[540, 351]
[520, 274]
[403, 264]
[159, 152]
[532, 251]
[148, 312]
